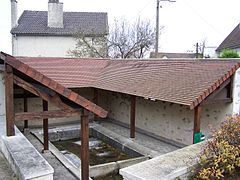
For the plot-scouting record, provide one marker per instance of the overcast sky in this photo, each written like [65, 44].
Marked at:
[185, 21]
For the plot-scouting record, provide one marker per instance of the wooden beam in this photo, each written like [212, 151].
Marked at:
[55, 99]
[197, 120]
[25, 108]
[46, 114]
[84, 145]
[214, 93]
[216, 101]
[45, 126]
[132, 117]
[9, 101]
[95, 100]
[55, 86]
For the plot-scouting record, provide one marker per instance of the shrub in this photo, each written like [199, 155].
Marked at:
[220, 159]
[229, 53]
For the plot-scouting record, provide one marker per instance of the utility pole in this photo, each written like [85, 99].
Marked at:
[157, 25]
[197, 48]
[157, 29]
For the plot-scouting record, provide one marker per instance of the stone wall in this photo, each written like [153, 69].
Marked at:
[236, 93]
[168, 120]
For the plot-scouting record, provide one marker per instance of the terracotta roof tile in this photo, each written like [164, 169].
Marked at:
[53, 84]
[186, 82]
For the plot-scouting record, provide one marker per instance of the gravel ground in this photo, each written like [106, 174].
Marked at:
[6, 172]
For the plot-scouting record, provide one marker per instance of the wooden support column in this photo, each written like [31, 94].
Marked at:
[9, 101]
[197, 122]
[132, 117]
[45, 127]
[25, 108]
[95, 100]
[84, 145]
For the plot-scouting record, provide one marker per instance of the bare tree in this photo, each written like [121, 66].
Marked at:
[125, 40]
[89, 46]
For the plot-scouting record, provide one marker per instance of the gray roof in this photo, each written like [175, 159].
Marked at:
[231, 41]
[173, 55]
[35, 23]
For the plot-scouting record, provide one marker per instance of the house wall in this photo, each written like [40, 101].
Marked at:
[37, 46]
[44, 46]
[170, 121]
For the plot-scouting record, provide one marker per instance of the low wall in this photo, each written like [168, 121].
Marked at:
[173, 165]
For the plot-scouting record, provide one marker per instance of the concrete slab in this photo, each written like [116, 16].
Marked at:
[168, 166]
[24, 158]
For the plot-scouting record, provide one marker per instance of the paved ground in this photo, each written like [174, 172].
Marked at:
[60, 172]
[5, 171]
[142, 139]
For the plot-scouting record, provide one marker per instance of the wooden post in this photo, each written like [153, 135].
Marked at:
[45, 126]
[9, 101]
[95, 100]
[25, 108]
[197, 114]
[132, 117]
[84, 145]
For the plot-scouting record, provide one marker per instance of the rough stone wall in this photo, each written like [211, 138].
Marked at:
[35, 104]
[168, 120]
[236, 93]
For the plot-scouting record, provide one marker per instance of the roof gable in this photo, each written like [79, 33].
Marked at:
[53, 85]
[186, 82]
[232, 40]
[89, 23]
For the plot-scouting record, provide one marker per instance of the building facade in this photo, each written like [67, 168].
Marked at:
[53, 33]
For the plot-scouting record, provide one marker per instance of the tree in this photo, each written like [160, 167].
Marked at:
[94, 46]
[229, 53]
[125, 40]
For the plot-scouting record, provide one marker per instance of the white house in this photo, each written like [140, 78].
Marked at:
[51, 33]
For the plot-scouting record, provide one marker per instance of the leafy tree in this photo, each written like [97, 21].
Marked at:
[125, 40]
[229, 53]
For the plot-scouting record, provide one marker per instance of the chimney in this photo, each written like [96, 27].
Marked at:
[55, 14]
[14, 13]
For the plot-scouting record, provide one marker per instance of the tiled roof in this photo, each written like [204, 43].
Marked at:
[89, 23]
[56, 86]
[232, 40]
[186, 82]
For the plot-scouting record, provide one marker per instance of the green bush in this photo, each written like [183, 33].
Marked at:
[229, 53]
[220, 158]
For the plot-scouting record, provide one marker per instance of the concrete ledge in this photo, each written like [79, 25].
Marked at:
[24, 159]
[107, 168]
[125, 144]
[168, 166]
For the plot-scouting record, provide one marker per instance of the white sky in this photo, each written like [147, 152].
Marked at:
[186, 21]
